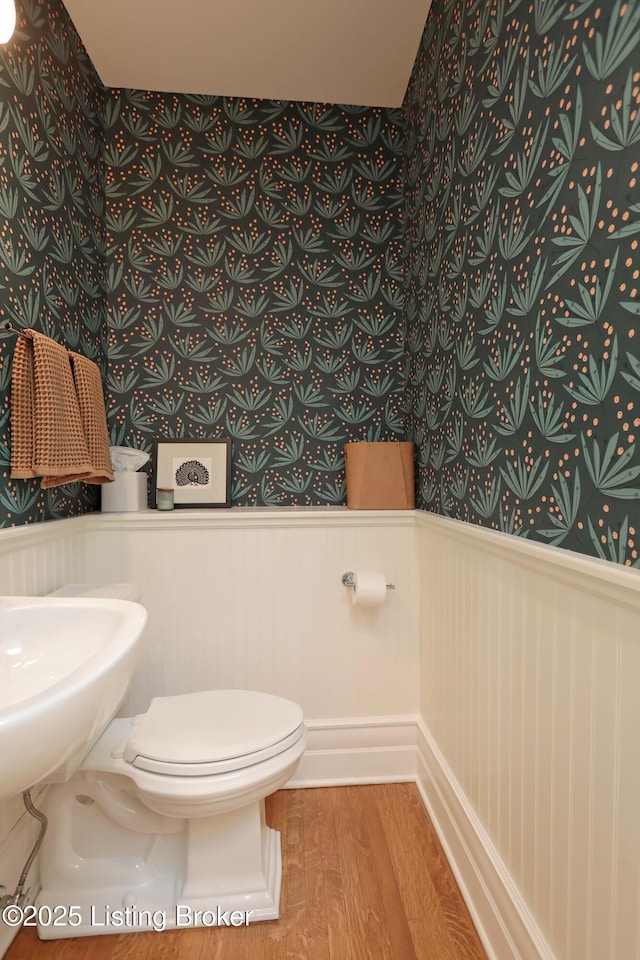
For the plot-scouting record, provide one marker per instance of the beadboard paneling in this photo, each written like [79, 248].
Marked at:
[529, 695]
[253, 598]
[35, 559]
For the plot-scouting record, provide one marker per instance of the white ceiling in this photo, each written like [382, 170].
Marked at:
[337, 51]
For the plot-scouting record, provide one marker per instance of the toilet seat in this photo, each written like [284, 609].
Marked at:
[212, 732]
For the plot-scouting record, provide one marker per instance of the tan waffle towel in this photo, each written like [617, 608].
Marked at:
[94, 419]
[47, 438]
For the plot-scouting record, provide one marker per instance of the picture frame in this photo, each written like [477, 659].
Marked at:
[198, 471]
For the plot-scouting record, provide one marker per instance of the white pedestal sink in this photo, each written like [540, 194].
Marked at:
[65, 667]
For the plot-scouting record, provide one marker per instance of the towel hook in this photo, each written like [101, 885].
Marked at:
[8, 327]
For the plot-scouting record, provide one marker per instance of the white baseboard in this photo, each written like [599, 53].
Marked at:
[358, 750]
[503, 921]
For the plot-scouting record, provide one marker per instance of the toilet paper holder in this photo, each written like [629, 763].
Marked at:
[347, 580]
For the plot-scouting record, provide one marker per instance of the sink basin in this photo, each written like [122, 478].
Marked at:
[65, 667]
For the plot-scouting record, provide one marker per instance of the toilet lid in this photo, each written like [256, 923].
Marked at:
[214, 731]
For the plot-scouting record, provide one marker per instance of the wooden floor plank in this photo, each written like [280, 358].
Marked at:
[409, 839]
[335, 902]
[364, 878]
[296, 916]
[431, 940]
[366, 917]
[428, 888]
[316, 922]
[395, 918]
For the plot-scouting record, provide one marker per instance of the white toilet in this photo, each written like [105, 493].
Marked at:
[163, 825]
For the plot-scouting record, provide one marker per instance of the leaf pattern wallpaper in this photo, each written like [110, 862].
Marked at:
[522, 206]
[254, 283]
[51, 221]
[297, 275]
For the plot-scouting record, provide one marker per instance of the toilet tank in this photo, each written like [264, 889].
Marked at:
[108, 591]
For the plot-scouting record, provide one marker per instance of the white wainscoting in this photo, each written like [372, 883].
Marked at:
[529, 743]
[503, 675]
[253, 598]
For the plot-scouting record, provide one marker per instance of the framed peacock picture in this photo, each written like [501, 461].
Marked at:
[198, 471]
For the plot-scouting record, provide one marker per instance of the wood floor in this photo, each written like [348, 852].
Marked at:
[364, 878]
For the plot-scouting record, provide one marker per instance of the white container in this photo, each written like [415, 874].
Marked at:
[126, 494]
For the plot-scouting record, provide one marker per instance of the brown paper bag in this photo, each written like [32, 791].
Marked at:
[379, 475]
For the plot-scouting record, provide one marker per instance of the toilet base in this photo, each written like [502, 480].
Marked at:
[101, 877]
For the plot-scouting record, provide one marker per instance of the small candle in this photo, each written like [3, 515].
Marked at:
[164, 498]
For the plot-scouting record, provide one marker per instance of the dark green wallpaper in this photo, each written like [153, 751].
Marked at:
[51, 211]
[522, 204]
[247, 273]
[254, 284]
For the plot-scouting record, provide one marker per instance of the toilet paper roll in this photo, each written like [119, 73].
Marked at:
[369, 589]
